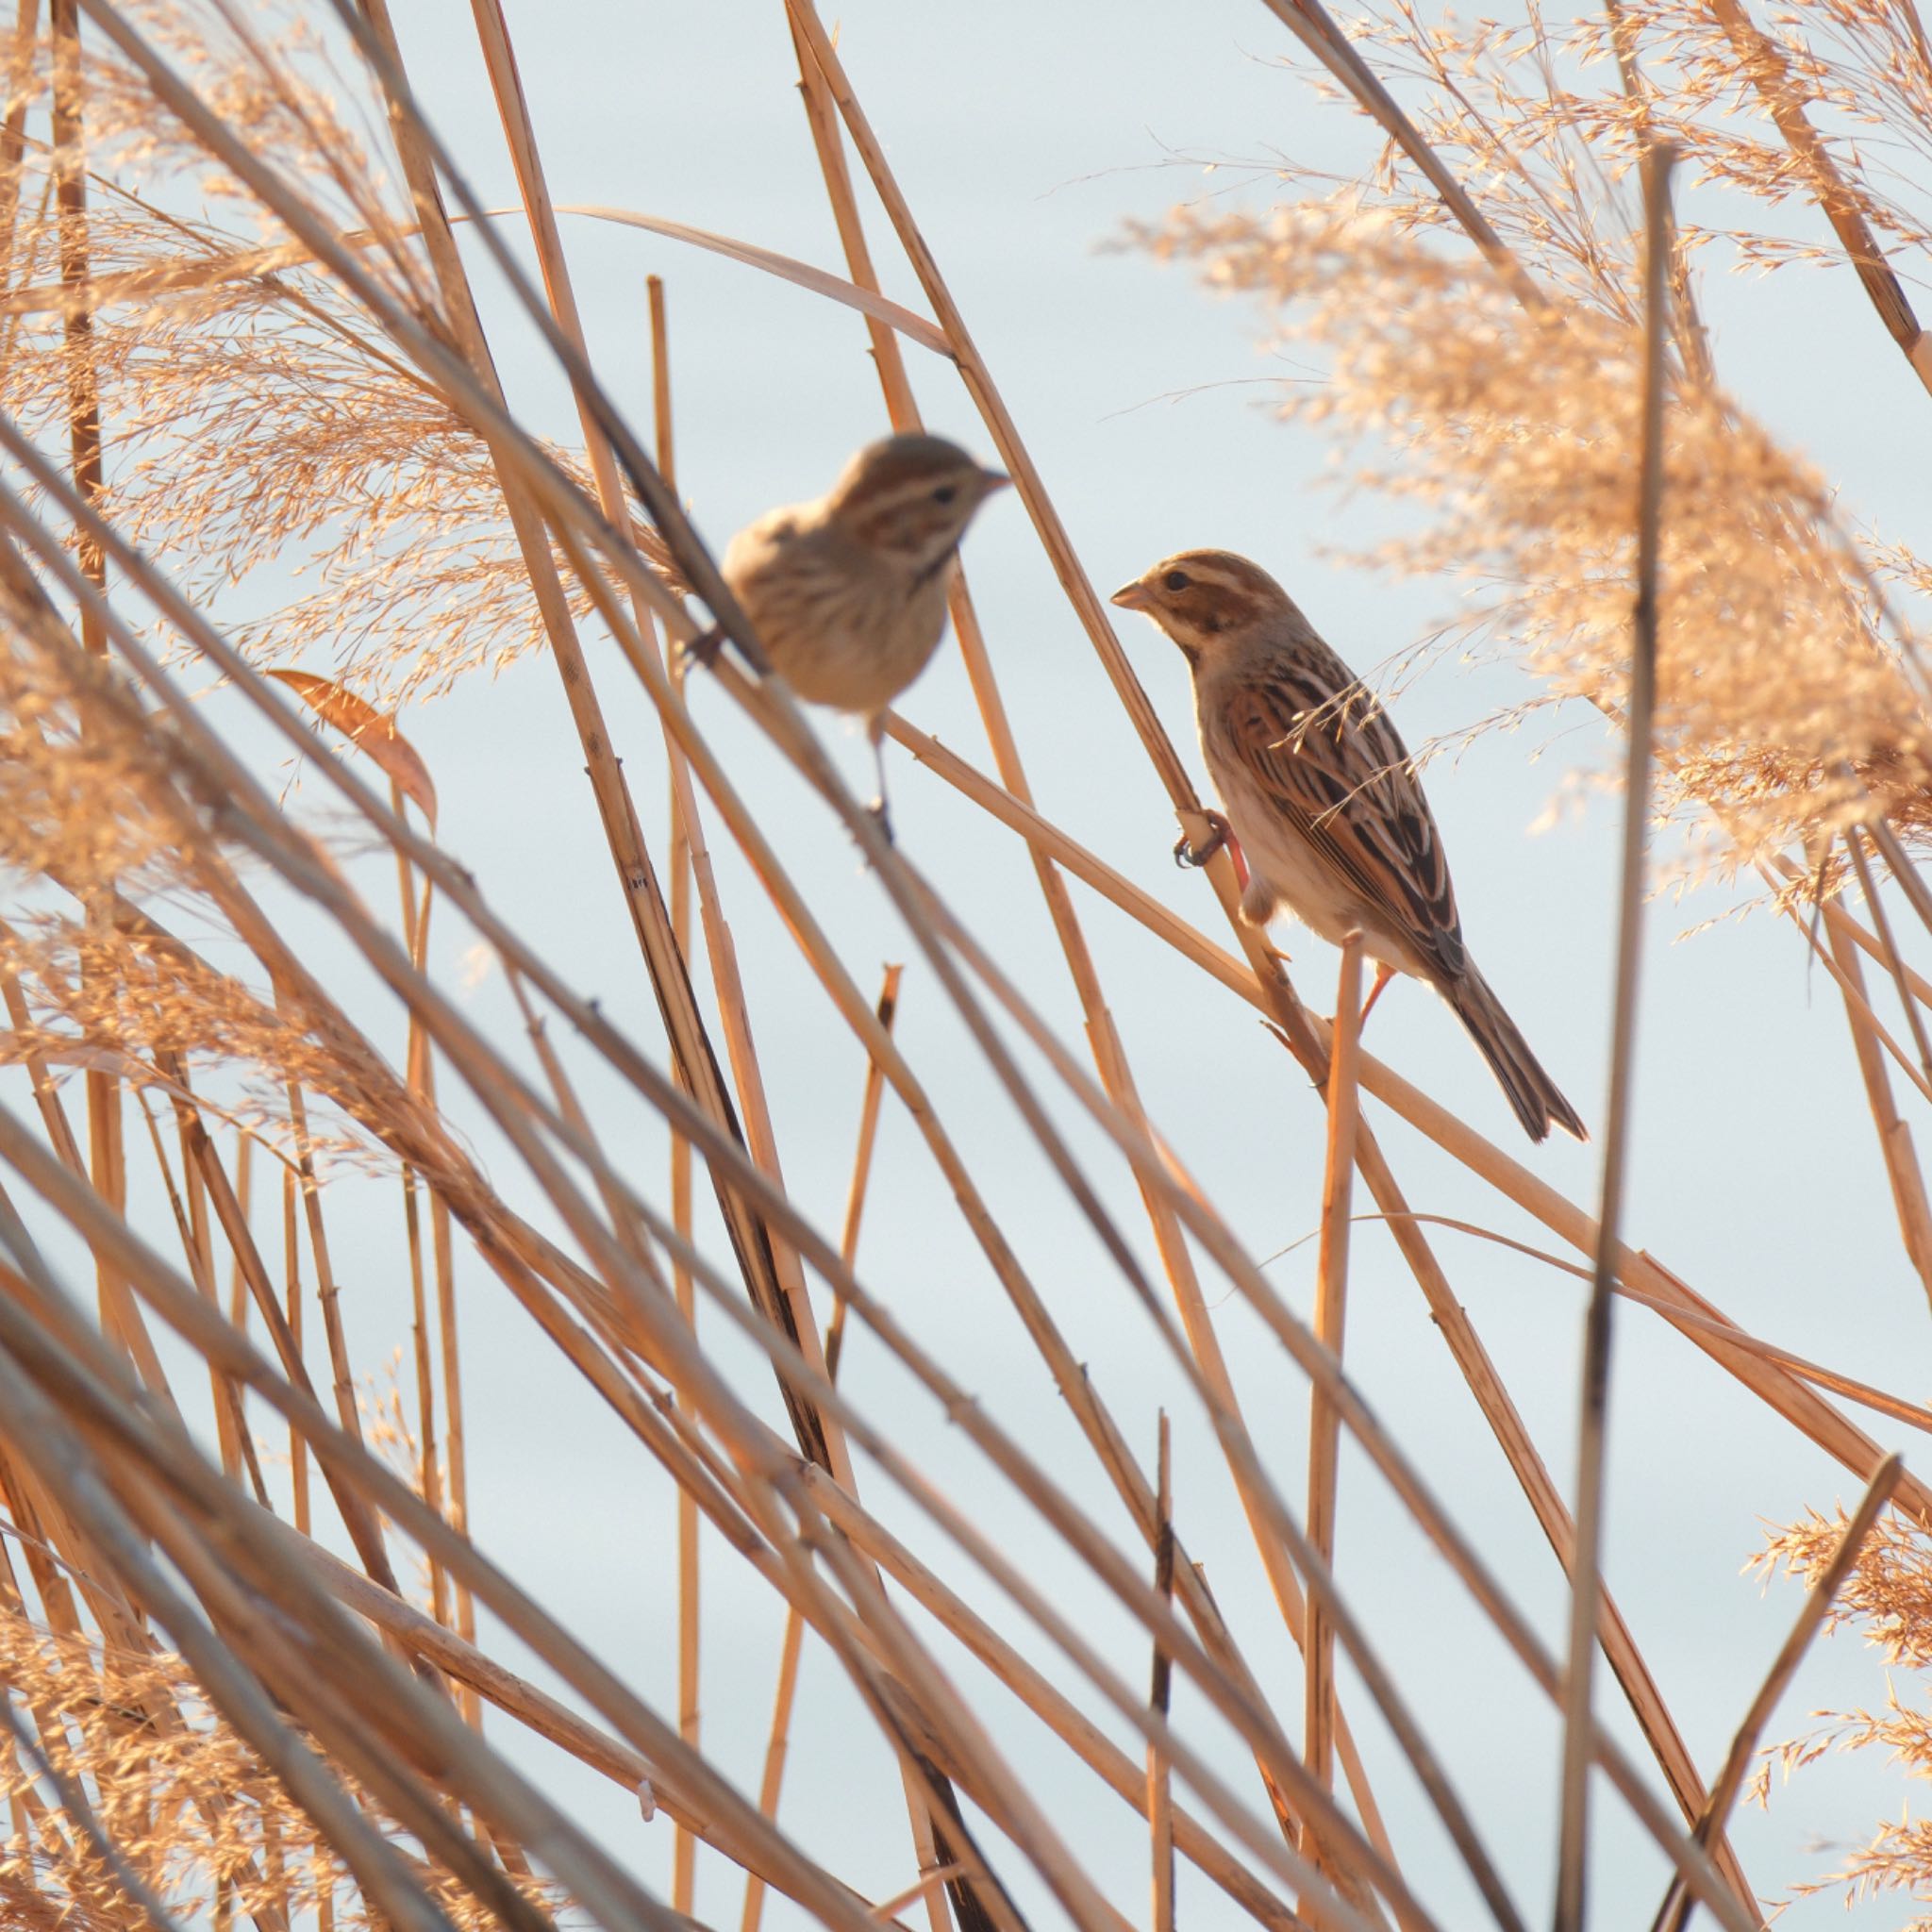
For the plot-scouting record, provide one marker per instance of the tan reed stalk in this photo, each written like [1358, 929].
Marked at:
[233, 1441]
[1674, 1913]
[1331, 1301]
[1687, 325]
[1869, 944]
[119, 1312]
[1902, 1168]
[1159, 1791]
[106, 1153]
[1894, 961]
[364, 1528]
[415, 920]
[12, 147]
[1585, 1581]
[1311, 23]
[792, 1646]
[291, 1275]
[690, 1627]
[328, 1292]
[1768, 72]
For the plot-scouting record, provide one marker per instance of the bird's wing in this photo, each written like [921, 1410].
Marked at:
[1325, 756]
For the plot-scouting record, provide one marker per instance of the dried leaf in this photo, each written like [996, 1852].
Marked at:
[371, 730]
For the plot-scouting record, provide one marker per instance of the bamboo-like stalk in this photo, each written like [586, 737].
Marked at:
[1674, 1913]
[1585, 1582]
[291, 1275]
[1159, 1696]
[1894, 961]
[1331, 1297]
[1770, 73]
[1907, 1181]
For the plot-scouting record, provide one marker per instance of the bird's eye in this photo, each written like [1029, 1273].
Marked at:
[945, 493]
[1176, 580]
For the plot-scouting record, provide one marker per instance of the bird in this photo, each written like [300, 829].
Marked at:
[1323, 801]
[847, 594]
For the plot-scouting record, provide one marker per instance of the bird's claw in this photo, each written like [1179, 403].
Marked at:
[1186, 853]
[884, 820]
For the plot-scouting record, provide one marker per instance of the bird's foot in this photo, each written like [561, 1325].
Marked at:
[1384, 974]
[883, 818]
[703, 648]
[1220, 833]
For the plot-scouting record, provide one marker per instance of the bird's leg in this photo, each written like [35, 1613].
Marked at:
[1384, 974]
[703, 648]
[875, 732]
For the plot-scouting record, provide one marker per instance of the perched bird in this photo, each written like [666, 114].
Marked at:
[1320, 795]
[848, 594]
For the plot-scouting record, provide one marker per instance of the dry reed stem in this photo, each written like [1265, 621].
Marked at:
[1770, 73]
[1314, 27]
[1331, 1293]
[1159, 1789]
[1902, 1170]
[1894, 961]
[1585, 1584]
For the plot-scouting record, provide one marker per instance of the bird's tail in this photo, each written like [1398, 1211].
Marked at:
[1531, 1090]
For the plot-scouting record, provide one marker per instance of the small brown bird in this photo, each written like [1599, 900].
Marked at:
[1319, 793]
[848, 594]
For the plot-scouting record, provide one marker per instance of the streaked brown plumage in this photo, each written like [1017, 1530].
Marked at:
[1317, 788]
[848, 593]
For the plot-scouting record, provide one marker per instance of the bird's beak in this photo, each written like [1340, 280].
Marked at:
[990, 480]
[1131, 596]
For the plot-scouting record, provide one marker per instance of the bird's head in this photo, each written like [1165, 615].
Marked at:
[908, 499]
[1208, 601]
